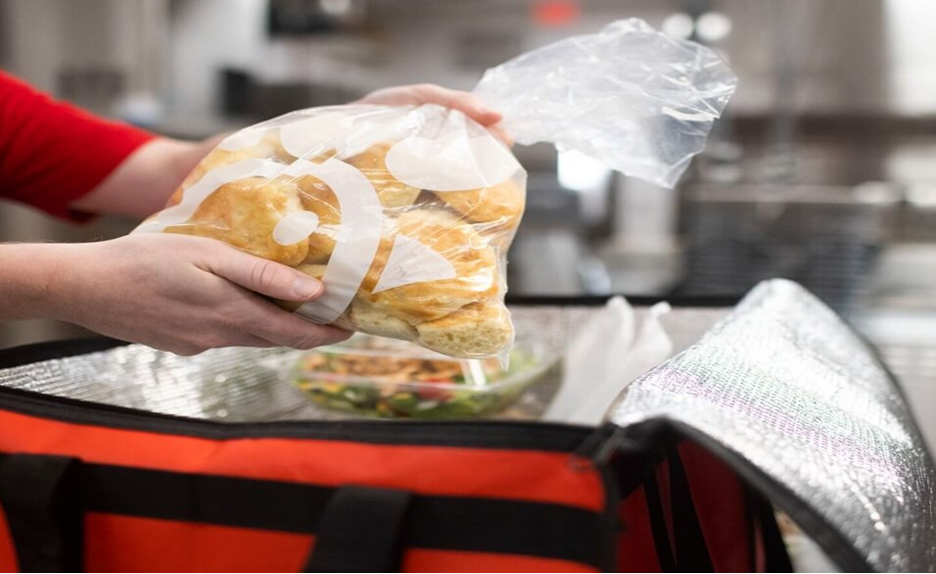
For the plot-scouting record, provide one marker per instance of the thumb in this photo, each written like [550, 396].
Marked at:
[472, 106]
[265, 277]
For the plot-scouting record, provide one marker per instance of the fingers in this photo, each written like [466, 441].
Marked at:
[262, 276]
[253, 322]
[188, 348]
[282, 328]
[257, 322]
[502, 135]
[418, 94]
[465, 102]
[388, 97]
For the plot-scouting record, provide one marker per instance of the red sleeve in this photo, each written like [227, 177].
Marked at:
[53, 153]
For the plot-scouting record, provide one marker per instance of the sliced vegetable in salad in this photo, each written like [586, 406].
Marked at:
[383, 377]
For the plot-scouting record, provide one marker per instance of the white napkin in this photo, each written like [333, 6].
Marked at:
[606, 355]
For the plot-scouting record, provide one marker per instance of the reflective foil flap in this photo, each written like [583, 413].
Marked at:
[791, 392]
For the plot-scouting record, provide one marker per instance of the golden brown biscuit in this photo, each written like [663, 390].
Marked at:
[439, 228]
[474, 261]
[272, 144]
[244, 213]
[312, 270]
[474, 330]
[392, 192]
[269, 147]
[216, 158]
[500, 205]
[319, 198]
[365, 317]
[380, 260]
[361, 315]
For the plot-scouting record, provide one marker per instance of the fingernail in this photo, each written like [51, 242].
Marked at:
[306, 287]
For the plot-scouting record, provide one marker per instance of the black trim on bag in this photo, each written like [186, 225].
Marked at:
[439, 522]
[519, 435]
[36, 352]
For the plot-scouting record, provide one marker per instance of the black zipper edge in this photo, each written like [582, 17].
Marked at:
[49, 350]
[522, 435]
[835, 544]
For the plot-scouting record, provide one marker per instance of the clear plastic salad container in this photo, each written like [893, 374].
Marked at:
[376, 376]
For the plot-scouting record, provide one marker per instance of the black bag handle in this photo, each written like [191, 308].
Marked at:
[41, 499]
[360, 531]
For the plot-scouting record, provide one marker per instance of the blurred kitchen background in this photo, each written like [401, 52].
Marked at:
[823, 170]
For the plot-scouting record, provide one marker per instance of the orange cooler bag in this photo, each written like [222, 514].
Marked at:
[88, 486]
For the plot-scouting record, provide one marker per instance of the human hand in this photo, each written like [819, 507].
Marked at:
[418, 94]
[185, 294]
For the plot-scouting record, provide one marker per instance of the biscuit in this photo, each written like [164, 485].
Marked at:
[475, 330]
[269, 147]
[392, 192]
[319, 198]
[499, 206]
[244, 213]
[474, 262]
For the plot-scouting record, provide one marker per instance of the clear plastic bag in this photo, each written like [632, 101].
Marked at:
[639, 101]
[406, 213]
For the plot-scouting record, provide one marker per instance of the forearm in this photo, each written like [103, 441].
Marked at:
[31, 280]
[141, 184]
[169, 291]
